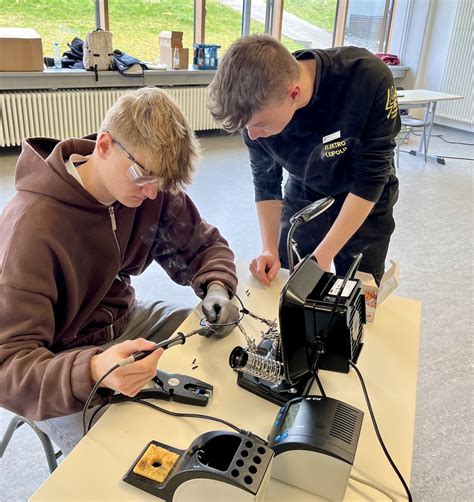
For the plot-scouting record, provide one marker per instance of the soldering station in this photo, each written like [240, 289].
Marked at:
[313, 439]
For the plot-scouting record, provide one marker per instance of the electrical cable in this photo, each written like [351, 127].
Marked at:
[217, 324]
[352, 270]
[441, 137]
[320, 343]
[96, 411]
[271, 324]
[168, 412]
[456, 158]
[377, 432]
[92, 394]
[314, 373]
[320, 385]
[196, 415]
[186, 415]
[372, 485]
[175, 414]
[443, 156]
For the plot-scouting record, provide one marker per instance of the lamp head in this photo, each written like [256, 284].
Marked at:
[312, 210]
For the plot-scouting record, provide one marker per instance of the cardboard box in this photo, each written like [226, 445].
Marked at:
[20, 50]
[375, 295]
[166, 57]
[171, 39]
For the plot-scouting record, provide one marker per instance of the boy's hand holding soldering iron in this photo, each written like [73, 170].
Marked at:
[131, 378]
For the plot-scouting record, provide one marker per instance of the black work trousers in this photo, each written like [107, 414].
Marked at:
[372, 238]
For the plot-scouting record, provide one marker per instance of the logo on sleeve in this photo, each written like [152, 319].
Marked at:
[391, 107]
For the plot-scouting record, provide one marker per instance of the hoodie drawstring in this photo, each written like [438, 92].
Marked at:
[114, 228]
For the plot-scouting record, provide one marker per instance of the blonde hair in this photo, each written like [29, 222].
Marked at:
[149, 121]
[254, 70]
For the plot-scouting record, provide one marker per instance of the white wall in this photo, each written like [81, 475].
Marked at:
[409, 26]
[439, 32]
[421, 34]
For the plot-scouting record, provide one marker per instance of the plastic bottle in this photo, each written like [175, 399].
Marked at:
[176, 58]
[212, 57]
[201, 56]
[57, 56]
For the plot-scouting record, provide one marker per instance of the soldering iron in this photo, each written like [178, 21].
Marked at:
[179, 339]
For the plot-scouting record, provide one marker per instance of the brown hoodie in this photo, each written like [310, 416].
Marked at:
[65, 274]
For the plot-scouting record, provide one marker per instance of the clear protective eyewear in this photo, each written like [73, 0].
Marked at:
[136, 172]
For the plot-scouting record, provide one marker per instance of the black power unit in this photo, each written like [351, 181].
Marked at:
[312, 326]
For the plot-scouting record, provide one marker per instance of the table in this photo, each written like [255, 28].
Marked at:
[422, 98]
[389, 361]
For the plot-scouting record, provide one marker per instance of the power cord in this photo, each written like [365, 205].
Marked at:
[92, 394]
[441, 137]
[320, 343]
[441, 156]
[350, 273]
[455, 158]
[96, 411]
[318, 381]
[197, 415]
[168, 412]
[377, 432]
[176, 414]
[372, 485]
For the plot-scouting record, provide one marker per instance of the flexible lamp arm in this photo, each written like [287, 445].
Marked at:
[304, 215]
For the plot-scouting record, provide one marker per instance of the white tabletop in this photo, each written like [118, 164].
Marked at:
[389, 361]
[423, 96]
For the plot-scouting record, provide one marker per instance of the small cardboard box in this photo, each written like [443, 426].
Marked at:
[171, 39]
[20, 50]
[375, 295]
[166, 57]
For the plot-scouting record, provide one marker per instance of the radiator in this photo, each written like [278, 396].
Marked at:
[78, 112]
[458, 72]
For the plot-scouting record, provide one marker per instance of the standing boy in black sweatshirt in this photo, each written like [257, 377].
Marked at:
[330, 118]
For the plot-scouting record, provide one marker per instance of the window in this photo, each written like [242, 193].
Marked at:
[368, 24]
[327, 23]
[228, 20]
[136, 25]
[308, 23]
[224, 23]
[54, 20]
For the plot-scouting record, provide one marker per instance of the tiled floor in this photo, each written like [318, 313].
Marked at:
[434, 244]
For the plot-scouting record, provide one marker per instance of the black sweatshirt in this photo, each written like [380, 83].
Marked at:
[343, 139]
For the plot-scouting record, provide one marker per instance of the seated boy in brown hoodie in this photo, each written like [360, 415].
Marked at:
[86, 217]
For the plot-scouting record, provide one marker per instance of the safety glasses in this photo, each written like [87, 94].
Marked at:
[136, 172]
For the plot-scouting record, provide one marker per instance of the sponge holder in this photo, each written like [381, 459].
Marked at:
[239, 460]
